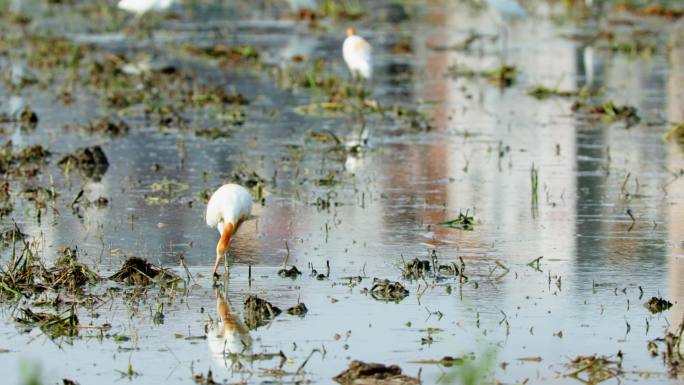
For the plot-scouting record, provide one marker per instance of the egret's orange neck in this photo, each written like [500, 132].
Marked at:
[351, 31]
[224, 242]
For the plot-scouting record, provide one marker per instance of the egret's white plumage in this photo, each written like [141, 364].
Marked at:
[228, 207]
[358, 54]
[142, 6]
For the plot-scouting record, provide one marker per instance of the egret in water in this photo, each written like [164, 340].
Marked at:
[357, 53]
[228, 207]
[140, 7]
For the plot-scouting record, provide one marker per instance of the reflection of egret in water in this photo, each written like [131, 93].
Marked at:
[355, 150]
[675, 187]
[227, 335]
[501, 12]
[298, 47]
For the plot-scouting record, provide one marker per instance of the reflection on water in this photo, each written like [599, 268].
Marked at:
[477, 156]
[228, 337]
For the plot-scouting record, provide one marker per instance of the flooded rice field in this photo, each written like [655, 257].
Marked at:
[530, 159]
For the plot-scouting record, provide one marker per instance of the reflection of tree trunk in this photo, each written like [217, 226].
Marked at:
[675, 113]
[433, 161]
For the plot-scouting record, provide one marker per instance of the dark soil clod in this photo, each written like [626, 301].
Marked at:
[259, 312]
[137, 271]
[385, 290]
[91, 162]
[658, 305]
[298, 309]
[292, 272]
[371, 373]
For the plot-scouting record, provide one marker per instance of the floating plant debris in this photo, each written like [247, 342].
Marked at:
[462, 222]
[259, 312]
[165, 192]
[503, 76]
[594, 369]
[609, 112]
[657, 305]
[416, 268]
[52, 325]
[360, 372]
[542, 92]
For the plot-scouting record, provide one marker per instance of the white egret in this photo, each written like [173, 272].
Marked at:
[228, 207]
[140, 7]
[357, 53]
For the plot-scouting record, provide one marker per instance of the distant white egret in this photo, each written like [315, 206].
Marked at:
[140, 7]
[299, 5]
[357, 53]
[228, 207]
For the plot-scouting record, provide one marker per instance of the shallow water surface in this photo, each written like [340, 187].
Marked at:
[585, 297]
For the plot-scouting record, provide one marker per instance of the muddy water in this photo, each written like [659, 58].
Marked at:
[584, 298]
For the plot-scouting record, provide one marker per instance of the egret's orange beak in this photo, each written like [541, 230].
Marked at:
[223, 244]
[351, 31]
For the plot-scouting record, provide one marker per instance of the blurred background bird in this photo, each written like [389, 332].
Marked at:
[357, 53]
[228, 207]
[140, 7]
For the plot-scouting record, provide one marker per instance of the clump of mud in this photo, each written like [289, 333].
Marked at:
[106, 127]
[298, 310]
[385, 290]
[371, 373]
[292, 272]
[137, 271]
[658, 305]
[259, 312]
[26, 162]
[91, 162]
[68, 272]
[28, 118]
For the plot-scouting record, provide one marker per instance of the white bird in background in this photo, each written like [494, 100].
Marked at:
[357, 53]
[140, 7]
[228, 207]
[298, 5]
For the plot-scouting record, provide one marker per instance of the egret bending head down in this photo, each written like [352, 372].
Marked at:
[228, 207]
[357, 53]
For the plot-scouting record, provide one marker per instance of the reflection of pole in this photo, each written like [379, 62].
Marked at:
[675, 113]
